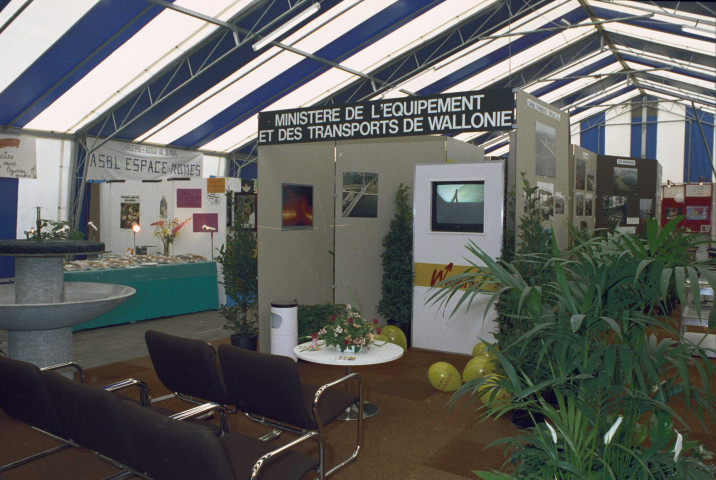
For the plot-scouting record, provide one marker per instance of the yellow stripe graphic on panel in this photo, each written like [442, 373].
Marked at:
[430, 274]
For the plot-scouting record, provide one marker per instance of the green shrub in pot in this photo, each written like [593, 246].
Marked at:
[239, 267]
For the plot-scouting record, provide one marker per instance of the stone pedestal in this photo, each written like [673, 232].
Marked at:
[39, 309]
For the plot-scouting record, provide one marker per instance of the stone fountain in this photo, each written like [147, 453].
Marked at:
[39, 310]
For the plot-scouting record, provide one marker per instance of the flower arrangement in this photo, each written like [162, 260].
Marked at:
[167, 231]
[349, 331]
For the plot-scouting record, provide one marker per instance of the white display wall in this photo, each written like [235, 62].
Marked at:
[438, 253]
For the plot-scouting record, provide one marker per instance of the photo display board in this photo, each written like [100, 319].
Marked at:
[627, 189]
[481, 110]
[693, 201]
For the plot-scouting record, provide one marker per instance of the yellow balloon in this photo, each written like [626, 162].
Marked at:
[381, 338]
[444, 377]
[486, 392]
[480, 350]
[395, 335]
[476, 368]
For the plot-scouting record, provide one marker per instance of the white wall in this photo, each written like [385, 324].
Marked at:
[617, 133]
[670, 151]
[50, 190]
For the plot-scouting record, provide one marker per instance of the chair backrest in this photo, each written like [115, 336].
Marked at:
[265, 385]
[173, 449]
[89, 416]
[186, 366]
[24, 398]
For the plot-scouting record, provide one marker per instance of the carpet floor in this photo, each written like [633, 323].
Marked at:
[414, 435]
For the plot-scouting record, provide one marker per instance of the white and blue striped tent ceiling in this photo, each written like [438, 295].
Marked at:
[189, 73]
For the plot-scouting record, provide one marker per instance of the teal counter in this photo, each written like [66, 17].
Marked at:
[162, 291]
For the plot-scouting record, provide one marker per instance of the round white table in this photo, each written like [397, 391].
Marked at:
[379, 352]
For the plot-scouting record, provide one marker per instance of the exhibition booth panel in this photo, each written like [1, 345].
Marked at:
[539, 150]
[324, 210]
[455, 204]
[162, 291]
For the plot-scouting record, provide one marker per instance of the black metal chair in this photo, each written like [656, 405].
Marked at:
[268, 389]
[186, 366]
[170, 449]
[23, 397]
[89, 419]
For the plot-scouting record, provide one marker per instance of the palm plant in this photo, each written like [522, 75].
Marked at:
[614, 366]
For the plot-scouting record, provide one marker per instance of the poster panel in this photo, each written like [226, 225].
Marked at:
[129, 212]
[18, 156]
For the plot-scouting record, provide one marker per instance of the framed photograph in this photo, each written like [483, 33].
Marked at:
[580, 175]
[248, 185]
[229, 210]
[698, 212]
[558, 203]
[671, 212]
[546, 150]
[615, 208]
[296, 206]
[129, 211]
[244, 208]
[625, 180]
[546, 199]
[360, 194]
[590, 179]
[646, 208]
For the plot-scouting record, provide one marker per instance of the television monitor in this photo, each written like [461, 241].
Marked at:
[458, 206]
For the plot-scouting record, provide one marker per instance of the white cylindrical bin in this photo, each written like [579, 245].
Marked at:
[284, 328]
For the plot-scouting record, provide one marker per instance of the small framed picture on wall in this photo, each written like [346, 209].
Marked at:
[244, 208]
[296, 206]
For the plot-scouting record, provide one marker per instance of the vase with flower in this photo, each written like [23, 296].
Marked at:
[348, 331]
[167, 230]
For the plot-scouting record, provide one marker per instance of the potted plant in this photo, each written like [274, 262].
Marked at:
[396, 302]
[612, 379]
[237, 258]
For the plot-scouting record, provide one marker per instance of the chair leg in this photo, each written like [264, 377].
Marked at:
[273, 435]
[359, 429]
[121, 475]
[36, 456]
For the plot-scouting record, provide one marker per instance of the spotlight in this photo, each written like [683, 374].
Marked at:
[135, 228]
